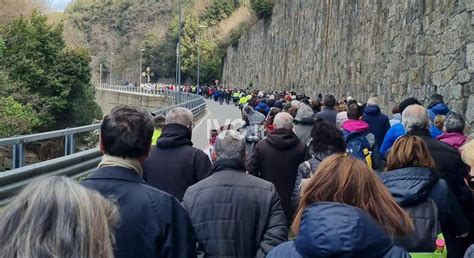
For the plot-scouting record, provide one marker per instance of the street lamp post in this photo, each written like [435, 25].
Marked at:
[141, 63]
[111, 62]
[199, 57]
[178, 55]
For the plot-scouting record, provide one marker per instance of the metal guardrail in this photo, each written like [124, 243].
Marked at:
[75, 165]
[191, 101]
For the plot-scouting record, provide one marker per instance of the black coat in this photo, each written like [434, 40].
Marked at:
[152, 223]
[174, 165]
[276, 159]
[411, 186]
[328, 114]
[235, 214]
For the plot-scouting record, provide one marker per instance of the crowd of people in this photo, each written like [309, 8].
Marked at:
[304, 177]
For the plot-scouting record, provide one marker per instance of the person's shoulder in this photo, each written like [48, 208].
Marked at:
[286, 249]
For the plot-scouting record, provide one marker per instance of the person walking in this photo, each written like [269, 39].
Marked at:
[378, 122]
[454, 126]
[448, 163]
[174, 164]
[345, 211]
[276, 159]
[328, 112]
[152, 223]
[233, 213]
[412, 180]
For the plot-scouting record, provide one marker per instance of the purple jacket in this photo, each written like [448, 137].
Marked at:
[456, 140]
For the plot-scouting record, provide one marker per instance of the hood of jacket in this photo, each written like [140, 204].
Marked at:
[304, 115]
[174, 135]
[454, 139]
[409, 186]
[253, 116]
[282, 139]
[397, 116]
[339, 230]
[372, 110]
[355, 126]
[439, 108]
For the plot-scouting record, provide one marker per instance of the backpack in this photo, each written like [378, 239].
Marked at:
[426, 227]
[254, 132]
[359, 147]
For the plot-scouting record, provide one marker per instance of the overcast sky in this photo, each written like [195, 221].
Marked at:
[59, 5]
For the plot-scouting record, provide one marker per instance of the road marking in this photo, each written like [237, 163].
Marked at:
[202, 120]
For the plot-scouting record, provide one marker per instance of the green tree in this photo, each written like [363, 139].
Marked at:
[55, 81]
[16, 118]
[263, 8]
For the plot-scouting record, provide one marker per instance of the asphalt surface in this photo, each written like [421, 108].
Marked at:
[216, 115]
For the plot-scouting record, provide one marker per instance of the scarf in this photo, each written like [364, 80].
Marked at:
[112, 161]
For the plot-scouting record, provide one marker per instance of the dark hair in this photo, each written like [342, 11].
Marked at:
[316, 105]
[396, 109]
[354, 112]
[408, 102]
[126, 132]
[325, 138]
[329, 101]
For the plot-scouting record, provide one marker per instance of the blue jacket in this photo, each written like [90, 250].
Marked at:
[398, 130]
[412, 185]
[152, 223]
[263, 107]
[378, 123]
[438, 109]
[338, 230]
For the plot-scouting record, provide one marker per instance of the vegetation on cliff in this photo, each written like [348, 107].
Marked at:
[43, 84]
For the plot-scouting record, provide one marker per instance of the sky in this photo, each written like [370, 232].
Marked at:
[58, 5]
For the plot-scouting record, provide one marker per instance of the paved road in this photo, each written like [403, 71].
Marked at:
[216, 116]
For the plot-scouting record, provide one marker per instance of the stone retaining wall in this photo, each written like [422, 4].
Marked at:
[390, 48]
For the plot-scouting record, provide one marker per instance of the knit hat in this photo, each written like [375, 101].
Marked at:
[435, 99]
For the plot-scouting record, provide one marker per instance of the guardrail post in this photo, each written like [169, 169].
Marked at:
[18, 155]
[69, 144]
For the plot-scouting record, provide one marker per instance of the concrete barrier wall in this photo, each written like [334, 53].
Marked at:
[108, 99]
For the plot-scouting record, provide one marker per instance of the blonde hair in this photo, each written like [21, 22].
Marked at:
[344, 179]
[467, 153]
[57, 217]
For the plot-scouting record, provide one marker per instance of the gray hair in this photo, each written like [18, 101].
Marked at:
[283, 120]
[57, 217]
[373, 101]
[415, 117]
[454, 122]
[230, 144]
[179, 115]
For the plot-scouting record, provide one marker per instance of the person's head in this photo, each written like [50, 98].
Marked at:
[373, 101]
[271, 115]
[283, 120]
[409, 151]
[354, 112]
[230, 144]
[159, 121]
[454, 123]
[293, 111]
[126, 132]
[439, 122]
[344, 179]
[329, 101]
[396, 109]
[467, 153]
[408, 102]
[180, 115]
[326, 138]
[436, 98]
[316, 104]
[415, 117]
[57, 217]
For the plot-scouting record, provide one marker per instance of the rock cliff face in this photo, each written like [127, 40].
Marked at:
[390, 48]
